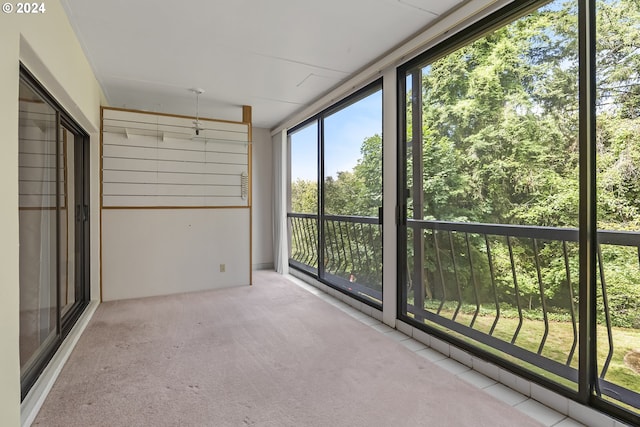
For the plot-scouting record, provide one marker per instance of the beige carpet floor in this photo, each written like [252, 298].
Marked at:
[268, 355]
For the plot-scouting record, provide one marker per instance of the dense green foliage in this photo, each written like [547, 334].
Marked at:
[357, 192]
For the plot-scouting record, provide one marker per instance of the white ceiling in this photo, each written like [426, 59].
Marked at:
[275, 55]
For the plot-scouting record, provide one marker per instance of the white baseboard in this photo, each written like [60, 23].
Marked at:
[263, 266]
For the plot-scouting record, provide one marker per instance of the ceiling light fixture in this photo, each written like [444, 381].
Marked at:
[196, 122]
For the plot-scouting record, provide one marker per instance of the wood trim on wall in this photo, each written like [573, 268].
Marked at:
[101, 206]
[246, 118]
[171, 207]
[178, 116]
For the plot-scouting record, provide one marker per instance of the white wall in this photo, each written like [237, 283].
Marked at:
[150, 252]
[48, 47]
[262, 174]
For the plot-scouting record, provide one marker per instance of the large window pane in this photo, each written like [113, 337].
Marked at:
[38, 167]
[618, 208]
[334, 230]
[352, 185]
[303, 198]
[492, 208]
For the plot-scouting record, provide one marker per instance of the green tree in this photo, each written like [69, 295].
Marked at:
[304, 196]
[368, 171]
[342, 195]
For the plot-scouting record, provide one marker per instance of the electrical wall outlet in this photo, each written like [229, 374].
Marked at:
[222, 268]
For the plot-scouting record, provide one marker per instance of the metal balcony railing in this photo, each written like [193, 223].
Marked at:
[303, 241]
[352, 251]
[515, 289]
[510, 288]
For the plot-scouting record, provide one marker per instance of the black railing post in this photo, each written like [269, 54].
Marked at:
[571, 303]
[516, 291]
[493, 285]
[543, 300]
[455, 274]
[310, 229]
[442, 284]
[473, 281]
[607, 317]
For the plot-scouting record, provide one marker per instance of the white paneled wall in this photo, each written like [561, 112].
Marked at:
[158, 161]
[175, 213]
[164, 251]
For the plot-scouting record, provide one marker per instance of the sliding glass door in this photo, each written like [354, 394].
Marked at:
[303, 199]
[54, 233]
[352, 196]
[519, 196]
[335, 196]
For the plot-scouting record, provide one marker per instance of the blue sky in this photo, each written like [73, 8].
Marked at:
[344, 132]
